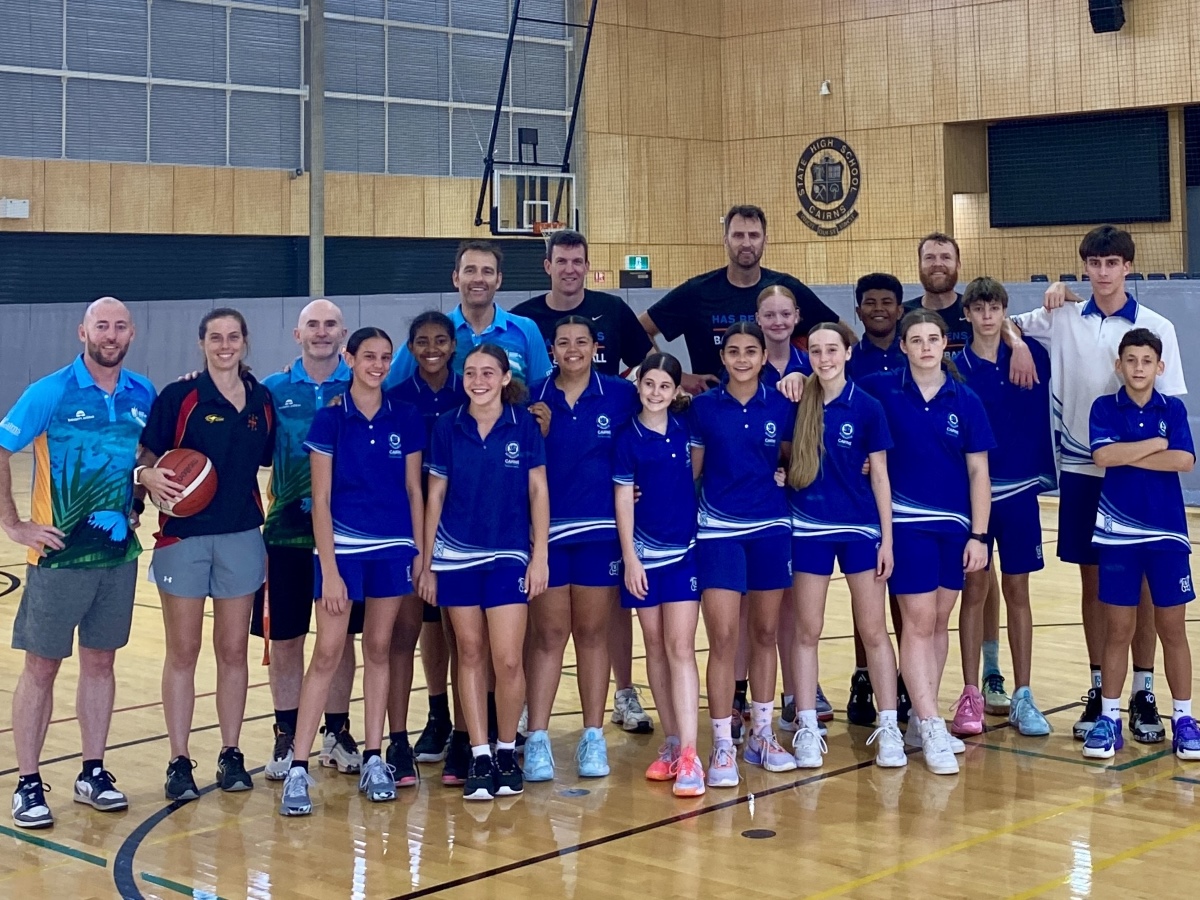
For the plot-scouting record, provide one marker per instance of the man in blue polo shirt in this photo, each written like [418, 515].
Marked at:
[877, 303]
[84, 422]
[478, 319]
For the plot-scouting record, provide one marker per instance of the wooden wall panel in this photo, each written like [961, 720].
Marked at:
[865, 80]
[24, 179]
[910, 52]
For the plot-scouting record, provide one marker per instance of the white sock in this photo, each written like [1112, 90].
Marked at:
[1110, 707]
[721, 730]
[760, 716]
[789, 698]
[886, 716]
[807, 718]
[1182, 708]
[481, 750]
[506, 745]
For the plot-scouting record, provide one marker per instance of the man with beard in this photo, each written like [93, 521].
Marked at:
[702, 308]
[84, 422]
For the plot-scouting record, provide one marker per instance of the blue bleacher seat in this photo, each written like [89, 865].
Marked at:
[1178, 276]
[1086, 278]
[1069, 276]
[1135, 276]
[1040, 278]
[1156, 276]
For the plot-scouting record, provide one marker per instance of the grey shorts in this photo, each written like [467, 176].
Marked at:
[99, 602]
[211, 565]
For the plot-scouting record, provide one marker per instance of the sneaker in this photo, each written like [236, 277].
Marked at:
[377, 781]
[764, 751]
[741, 707]
[509, 782]
[663, 768]
[824, 707]
[481, 782]
[808, 749]
[1091, 712]
[903, 703]
[523, 726]
[787, 720]
[1185, 738]
[283, 754]
[295, 800]
[434, 741]
[180, 783]
[591, 756]
[722, 766]
[458, 761]
[912, 738]
[935, 744]
[1145, 726]
[29, 807]
[1104, 739]
[737, 727]
[98, 791]
[889, 747]
[629, 714]
[995, 699]
[400, 760]
[340, 751]
[968, 712]
[539, 757]
[860, 709]
[689, 775]
[231, 771]
[1023, 713]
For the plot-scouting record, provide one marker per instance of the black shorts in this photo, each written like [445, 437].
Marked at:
[290, 583]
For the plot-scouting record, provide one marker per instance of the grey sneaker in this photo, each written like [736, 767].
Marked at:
[377, 780]
[295, 800]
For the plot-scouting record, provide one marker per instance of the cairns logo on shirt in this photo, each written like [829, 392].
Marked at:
[770, 429]
[1162, 427]
[846, 434]
[952, 425]
[289, 403]
[603, 428]
[80, 416]
[639, 549]
[1108, 524]
[11, 427]
[1185, 584]
[394, 445]
[512, 454]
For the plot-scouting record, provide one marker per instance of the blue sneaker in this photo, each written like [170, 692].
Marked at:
[1104, 739]
[1023, 713]
[539, 758]
[591, 755]
[1185, 738]
[824, 707]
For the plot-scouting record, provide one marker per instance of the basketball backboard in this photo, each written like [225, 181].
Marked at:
[524, 200]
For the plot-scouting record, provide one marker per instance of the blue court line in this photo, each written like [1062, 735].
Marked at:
[56, 847]
[1074, 760]
[1141, 760]
[178, 888]
[1186, 780]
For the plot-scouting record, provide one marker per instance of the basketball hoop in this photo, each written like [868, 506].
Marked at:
[546, 229]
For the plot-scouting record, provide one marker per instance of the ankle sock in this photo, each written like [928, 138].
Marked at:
[335, 722]
[1111, 708]
[501, 746]
[369, 754]
[1181, 708]
[478, 750]
[91, 765]
[1143, 679]
[721, 729]
[286, 718]
[886, 716]
[991, 658]
[35, 778]
[740, 687]
[807, 718]
[760, 716]
[787, 698]
[398, 737]
[300, 764]
[1095, 675]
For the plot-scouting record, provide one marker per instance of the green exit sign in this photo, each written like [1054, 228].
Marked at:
[637, 263]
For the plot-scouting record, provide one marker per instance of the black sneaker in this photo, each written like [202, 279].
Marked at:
[180, 783]
[282, 754]
[860, 708]
[399, 758]
[1144, 724]
[736, 727]
[434, 740]
[97, 790]
[458, 760]
[29, 807]
[1091, 712]
[481, 782]
[903, 704]
[231, 771]
[509, 781]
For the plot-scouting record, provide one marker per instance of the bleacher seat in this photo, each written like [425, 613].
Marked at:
[1135, 276]
[1178, 276]
[1069, 276]
[1041, 279]
[1156, 276]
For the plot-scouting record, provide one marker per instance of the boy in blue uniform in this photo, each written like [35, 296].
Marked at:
[1141, 439]
[1020, 468]
[877, 303]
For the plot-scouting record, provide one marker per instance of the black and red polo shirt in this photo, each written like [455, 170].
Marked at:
[195, 415]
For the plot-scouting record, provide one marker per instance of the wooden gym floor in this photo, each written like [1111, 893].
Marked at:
[1025, 818]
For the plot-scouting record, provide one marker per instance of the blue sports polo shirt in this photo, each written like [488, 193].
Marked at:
[738, 494]
[1020, 418]
[296, 398]
[867, 359]
[1140, 506]
[85, 445]
[927, 466]
[579, 455]
[520, 338]
[485, 517]
[369, 498]
[840, 505]
[430, 403]
[660, 466]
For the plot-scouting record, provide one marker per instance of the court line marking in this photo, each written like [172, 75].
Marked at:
[55, 846]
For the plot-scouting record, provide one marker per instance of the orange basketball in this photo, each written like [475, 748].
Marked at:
[195, 472]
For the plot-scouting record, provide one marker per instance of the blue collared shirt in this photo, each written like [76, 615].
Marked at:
[867, 359]
[1141, 506]
[518, 336]
[369, 498]
[1129, 311]
[430, 403]
[579, 455]
[660, 466]
[840, 505]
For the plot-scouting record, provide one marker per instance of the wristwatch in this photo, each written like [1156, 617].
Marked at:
[137, 474]
[982, 538]
[139, 505]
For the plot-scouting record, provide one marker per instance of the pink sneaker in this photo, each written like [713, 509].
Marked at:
[663, 768]
[968, 712]
[689, 775]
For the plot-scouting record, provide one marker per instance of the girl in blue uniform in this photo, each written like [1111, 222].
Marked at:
[939, 426]
[487, 520]
[741, 431]
[777, 316]
[587, 410]
[368, 515]
[838, 512]
[658, 536]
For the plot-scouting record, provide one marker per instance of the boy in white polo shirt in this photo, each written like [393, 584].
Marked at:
[1083, 338]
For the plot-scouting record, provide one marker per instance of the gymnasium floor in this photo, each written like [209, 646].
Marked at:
[1025, 818]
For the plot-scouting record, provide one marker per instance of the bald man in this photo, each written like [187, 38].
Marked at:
[283, 607]
[84, 422]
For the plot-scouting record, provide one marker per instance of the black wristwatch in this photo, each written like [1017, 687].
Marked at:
[139, 505]
[982, 538]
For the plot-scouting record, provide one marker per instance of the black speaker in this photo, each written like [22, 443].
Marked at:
[1107, 15]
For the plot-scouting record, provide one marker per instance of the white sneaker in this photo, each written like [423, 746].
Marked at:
[912, 738]
[809, 748]
[280, 764]
[889, 746]
[523, 722]
[935, 744]
[629, 714]
[340, 751]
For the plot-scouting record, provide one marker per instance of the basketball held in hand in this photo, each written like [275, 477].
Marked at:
[195, 475]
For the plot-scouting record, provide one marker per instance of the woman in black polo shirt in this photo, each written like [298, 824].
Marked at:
[226, 415]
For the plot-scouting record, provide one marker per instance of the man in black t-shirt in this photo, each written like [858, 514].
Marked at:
[938, 263]
[620, 338]
[702, 308]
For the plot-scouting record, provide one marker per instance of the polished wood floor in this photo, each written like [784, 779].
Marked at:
[1025, 818]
